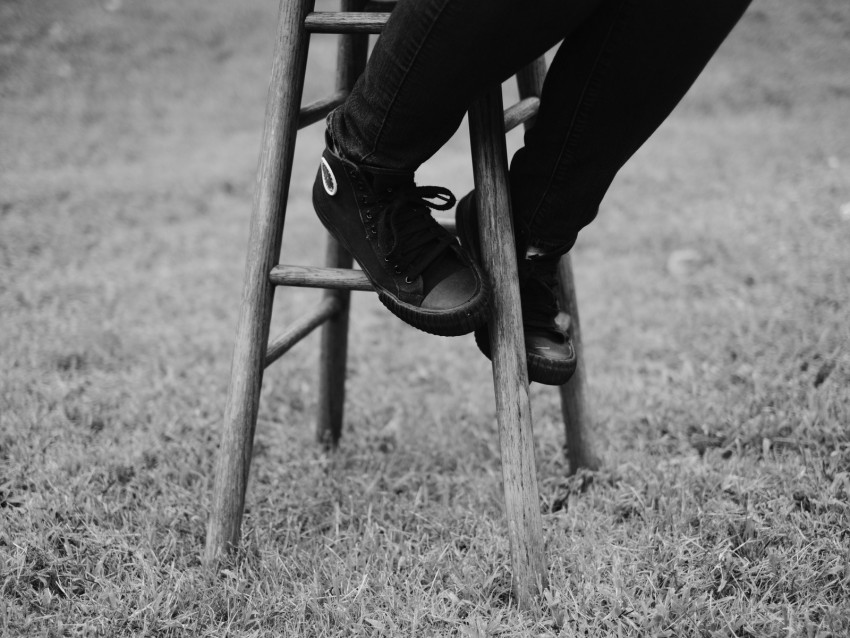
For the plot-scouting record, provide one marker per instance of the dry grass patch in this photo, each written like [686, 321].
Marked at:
[715, 288]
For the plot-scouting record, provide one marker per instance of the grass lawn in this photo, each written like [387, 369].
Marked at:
[715, 298]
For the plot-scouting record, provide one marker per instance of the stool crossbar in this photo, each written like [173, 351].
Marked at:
[253, 350]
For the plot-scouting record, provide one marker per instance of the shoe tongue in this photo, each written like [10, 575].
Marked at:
[439, 269]
[380, 181]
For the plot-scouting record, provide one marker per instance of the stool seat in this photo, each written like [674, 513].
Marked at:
[253, 350]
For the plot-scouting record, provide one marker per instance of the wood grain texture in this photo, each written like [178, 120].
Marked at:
[314, 277]
[267, 217]
[529, 81]
[581, 450]
[333, 356]
[300, 328]
[352, 52]
[521, 112]
[318, 110]
[510, 377]
[349, 22]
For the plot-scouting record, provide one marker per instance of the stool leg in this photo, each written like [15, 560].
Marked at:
[580, 449]
[351, 60]
[252, 333]
[510, 376]
[580, 445]
[333, 356]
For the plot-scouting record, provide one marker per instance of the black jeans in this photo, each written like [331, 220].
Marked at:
[622, 67]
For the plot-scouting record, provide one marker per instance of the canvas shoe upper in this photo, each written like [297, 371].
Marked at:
[420, 272]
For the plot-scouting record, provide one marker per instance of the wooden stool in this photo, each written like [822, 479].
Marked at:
[253, 352]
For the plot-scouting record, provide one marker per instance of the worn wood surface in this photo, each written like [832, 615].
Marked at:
[300, 328]
[349, 22]
[581, 451]
[510, 377]
[352, 52]
[267, 217]
[521, 112]
[333, 355]
[529, 81]
[318, 110]
[315, 277]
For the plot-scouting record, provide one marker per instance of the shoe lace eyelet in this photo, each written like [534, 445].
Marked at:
[397, 270]
[407, 280]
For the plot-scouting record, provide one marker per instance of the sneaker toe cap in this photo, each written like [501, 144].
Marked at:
[455, 290]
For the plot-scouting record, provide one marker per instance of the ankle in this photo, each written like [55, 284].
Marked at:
[535, 248]
[332, 143]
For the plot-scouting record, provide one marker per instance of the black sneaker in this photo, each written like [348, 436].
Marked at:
[550, 355]
[419, 270]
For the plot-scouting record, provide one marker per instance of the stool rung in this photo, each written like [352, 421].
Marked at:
[515, 115]
[300, 328]
[319, 109]
[345, 22]
[521, 112]
[311, 277]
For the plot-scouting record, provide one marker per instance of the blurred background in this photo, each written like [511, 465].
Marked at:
[714, 290]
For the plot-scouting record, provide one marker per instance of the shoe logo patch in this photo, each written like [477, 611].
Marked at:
[328, 178]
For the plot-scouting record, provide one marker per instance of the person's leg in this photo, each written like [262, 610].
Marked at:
[433, 58]
[611, 84]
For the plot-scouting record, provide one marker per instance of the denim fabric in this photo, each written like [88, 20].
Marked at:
[622, 67]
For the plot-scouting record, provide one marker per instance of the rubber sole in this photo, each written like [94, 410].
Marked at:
[454, 323]
[458, 322]
[540, 369]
